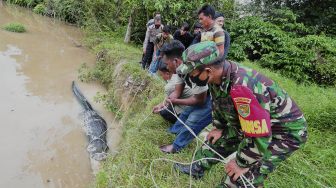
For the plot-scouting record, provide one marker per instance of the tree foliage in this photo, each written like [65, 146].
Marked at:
[279, 42]
[173, 12]
[320, 15]
[281, 35]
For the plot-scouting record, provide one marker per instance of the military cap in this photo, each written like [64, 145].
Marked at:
[203, 53]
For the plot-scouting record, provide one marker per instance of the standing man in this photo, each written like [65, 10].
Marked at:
[219, 19]
[252, 116]
[151, 33]
[211, 31]
[198, 115]
[151, 21]
[160, 40]
[145, 42]
[183, 35]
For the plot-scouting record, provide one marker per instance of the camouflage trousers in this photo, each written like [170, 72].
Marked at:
[279, 147]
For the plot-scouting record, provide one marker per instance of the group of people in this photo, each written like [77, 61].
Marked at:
[158, 34]
[251, 115]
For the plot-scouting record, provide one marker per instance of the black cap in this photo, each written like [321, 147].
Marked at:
[218, 14]
[197, 25]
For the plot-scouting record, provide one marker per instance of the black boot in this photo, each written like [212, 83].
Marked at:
[197, 171]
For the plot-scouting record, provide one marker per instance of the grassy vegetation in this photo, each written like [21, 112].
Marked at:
[39, 9]
[143, 133]
[132, 94]
[15, 27]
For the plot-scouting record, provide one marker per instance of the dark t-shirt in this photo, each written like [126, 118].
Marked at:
[196, 38]
[185, 39]
[226, 43]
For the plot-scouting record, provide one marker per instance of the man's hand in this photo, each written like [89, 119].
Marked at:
[144, 51]
[214, 135]
[158, 108]
[169, 101]
[231, 168]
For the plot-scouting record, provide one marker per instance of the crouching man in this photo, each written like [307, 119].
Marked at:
[197, 115]
[252, 116]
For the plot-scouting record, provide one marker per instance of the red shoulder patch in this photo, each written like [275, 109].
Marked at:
[254, 119]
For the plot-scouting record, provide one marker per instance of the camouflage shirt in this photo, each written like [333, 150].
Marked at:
[228, 114]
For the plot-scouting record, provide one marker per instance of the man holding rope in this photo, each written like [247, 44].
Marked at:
[252, 116]
[198, 113]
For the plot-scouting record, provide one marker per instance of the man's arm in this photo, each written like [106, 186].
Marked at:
[219, 39]
[158, 37]
[221, 49]
[154, 53]
[255, 144]
[177, 92]
[226, 43]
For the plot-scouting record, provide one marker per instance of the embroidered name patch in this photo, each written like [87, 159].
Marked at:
[254, 120]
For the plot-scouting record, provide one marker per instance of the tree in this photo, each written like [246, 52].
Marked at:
[174, 12]
[319, 14]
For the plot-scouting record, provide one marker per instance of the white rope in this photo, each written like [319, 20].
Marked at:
[223, 159]
[173, 161]
[192, 132]
[242, 177]
[243, 181]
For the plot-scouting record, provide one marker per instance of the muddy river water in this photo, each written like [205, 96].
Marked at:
[42, 140]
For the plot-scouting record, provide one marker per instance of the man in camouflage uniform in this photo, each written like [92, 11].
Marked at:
[252, 116]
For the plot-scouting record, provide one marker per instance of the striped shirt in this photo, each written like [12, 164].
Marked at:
[215, 33]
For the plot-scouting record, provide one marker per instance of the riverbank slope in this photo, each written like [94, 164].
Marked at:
[119, 71]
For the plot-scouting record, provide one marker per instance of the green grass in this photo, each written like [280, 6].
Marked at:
[143, 132]
[15, 27]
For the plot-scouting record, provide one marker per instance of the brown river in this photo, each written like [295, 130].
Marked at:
[42, 140]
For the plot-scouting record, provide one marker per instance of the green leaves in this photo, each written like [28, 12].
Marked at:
[279, 43]
[254, 37]
[306, 59]
[40, 9]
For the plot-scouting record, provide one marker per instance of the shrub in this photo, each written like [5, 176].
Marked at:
[306, 59]
[72, 11]
[280, 43]
[39, 9]
[322, 68]
[286, 20]
[103, 15]
[251, 38]
[15, 27]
